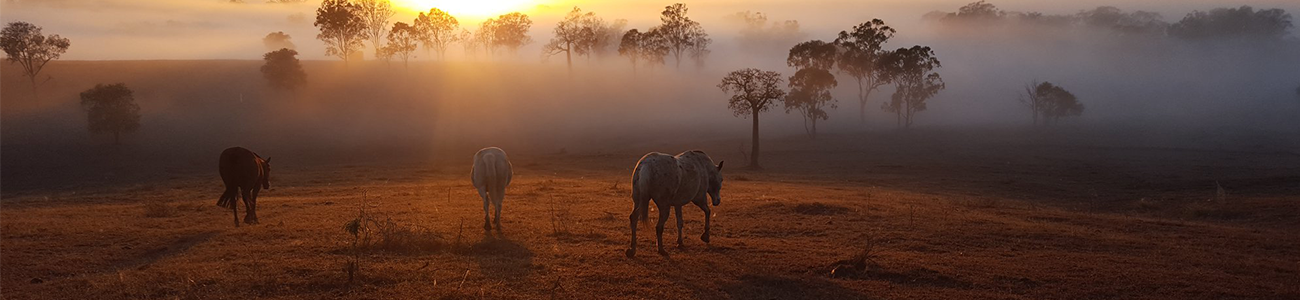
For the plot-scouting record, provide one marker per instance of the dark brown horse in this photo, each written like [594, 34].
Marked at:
[245, 174]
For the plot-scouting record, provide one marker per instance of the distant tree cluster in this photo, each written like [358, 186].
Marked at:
[757, 32]
[578, 33]
[1049, 103]
[677, 34]
[508, 31]
[403, 39]
[1244, 23]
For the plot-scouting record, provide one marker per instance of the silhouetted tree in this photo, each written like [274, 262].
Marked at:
[111, 109]
[752, 91]
[282, 69]
[809, 95]
[509, 31]
[815, 54]
[24, 44]
[699, 47]
[575, 33]
[914, 81]
[1229, 23]
[402, 41]
[1050, 102]
[469, 41]
[860, 53]
[1135, 23]
[375, 15]
[977, 12]
[630, 46]
[680, 32]
[341, 28]
[277, 40]
[436, 30]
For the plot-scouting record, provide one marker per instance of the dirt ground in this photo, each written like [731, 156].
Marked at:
[944, 214]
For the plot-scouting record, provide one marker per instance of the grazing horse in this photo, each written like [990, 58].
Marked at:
[672, 182]
[491, 175]
[245, 174]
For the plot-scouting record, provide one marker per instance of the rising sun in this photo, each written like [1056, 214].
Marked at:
[467, 8]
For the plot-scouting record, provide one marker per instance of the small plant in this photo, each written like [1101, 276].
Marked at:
[560, 212]
[376, 232]
[860, 263]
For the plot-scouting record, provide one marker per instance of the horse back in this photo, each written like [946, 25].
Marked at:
[241, 167]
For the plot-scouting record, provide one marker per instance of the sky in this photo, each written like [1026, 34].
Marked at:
[215, 29]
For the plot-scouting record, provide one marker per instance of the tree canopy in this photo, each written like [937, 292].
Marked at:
[375, 15]
[861, 51]
[111, 109]
[342, 28]
[681, 34]
[24, 44]
[1233, 23]
[810, 95]
[752, 91]
[282, 69]
[436, 30]
[914, 81]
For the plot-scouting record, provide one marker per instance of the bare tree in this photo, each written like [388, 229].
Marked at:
[680, 32]
[914, 80]
[375, 15]
[111, 109]
[1049, 102]
[282, 69]
[277, 40]
[860, 53]
[752, 91]
[402, 41]
[810, 95]
[24, 44]
[341, 28]
[436, 30]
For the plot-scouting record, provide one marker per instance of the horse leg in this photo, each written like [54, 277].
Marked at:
[678, 209]
[251, 207]
[659, 228]
[234, 206]
[248, 207]
[637, 207]
[707, 215]
[487, 224]
[498, 197]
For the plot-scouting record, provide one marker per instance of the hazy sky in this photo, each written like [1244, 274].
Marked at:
[214, 29]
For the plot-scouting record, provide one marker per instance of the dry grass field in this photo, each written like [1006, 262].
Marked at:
[938, 215]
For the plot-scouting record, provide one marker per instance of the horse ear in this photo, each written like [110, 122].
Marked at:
[720, 165]
[268, 159]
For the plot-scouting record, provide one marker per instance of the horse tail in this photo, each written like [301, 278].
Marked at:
[640, 193]
[227, 199]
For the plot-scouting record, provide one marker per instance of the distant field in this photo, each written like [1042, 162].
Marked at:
[950, 218]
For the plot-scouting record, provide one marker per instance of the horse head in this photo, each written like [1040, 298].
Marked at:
[266, 173]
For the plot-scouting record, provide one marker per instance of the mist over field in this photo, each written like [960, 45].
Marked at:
[1096, 149]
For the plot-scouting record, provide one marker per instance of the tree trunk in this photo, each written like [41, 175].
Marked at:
[568, 59]
[862, 101]
[753, 156]
[35, 94]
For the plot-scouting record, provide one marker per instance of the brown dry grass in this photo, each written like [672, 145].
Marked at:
[940, 229]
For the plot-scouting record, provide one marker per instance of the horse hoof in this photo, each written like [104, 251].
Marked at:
[630, 253]
[705, 238]
[663, 253]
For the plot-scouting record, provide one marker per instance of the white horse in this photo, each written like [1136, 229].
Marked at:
[672, 182]
[491, 175]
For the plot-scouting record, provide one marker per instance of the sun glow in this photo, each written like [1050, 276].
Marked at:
[468, 8]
